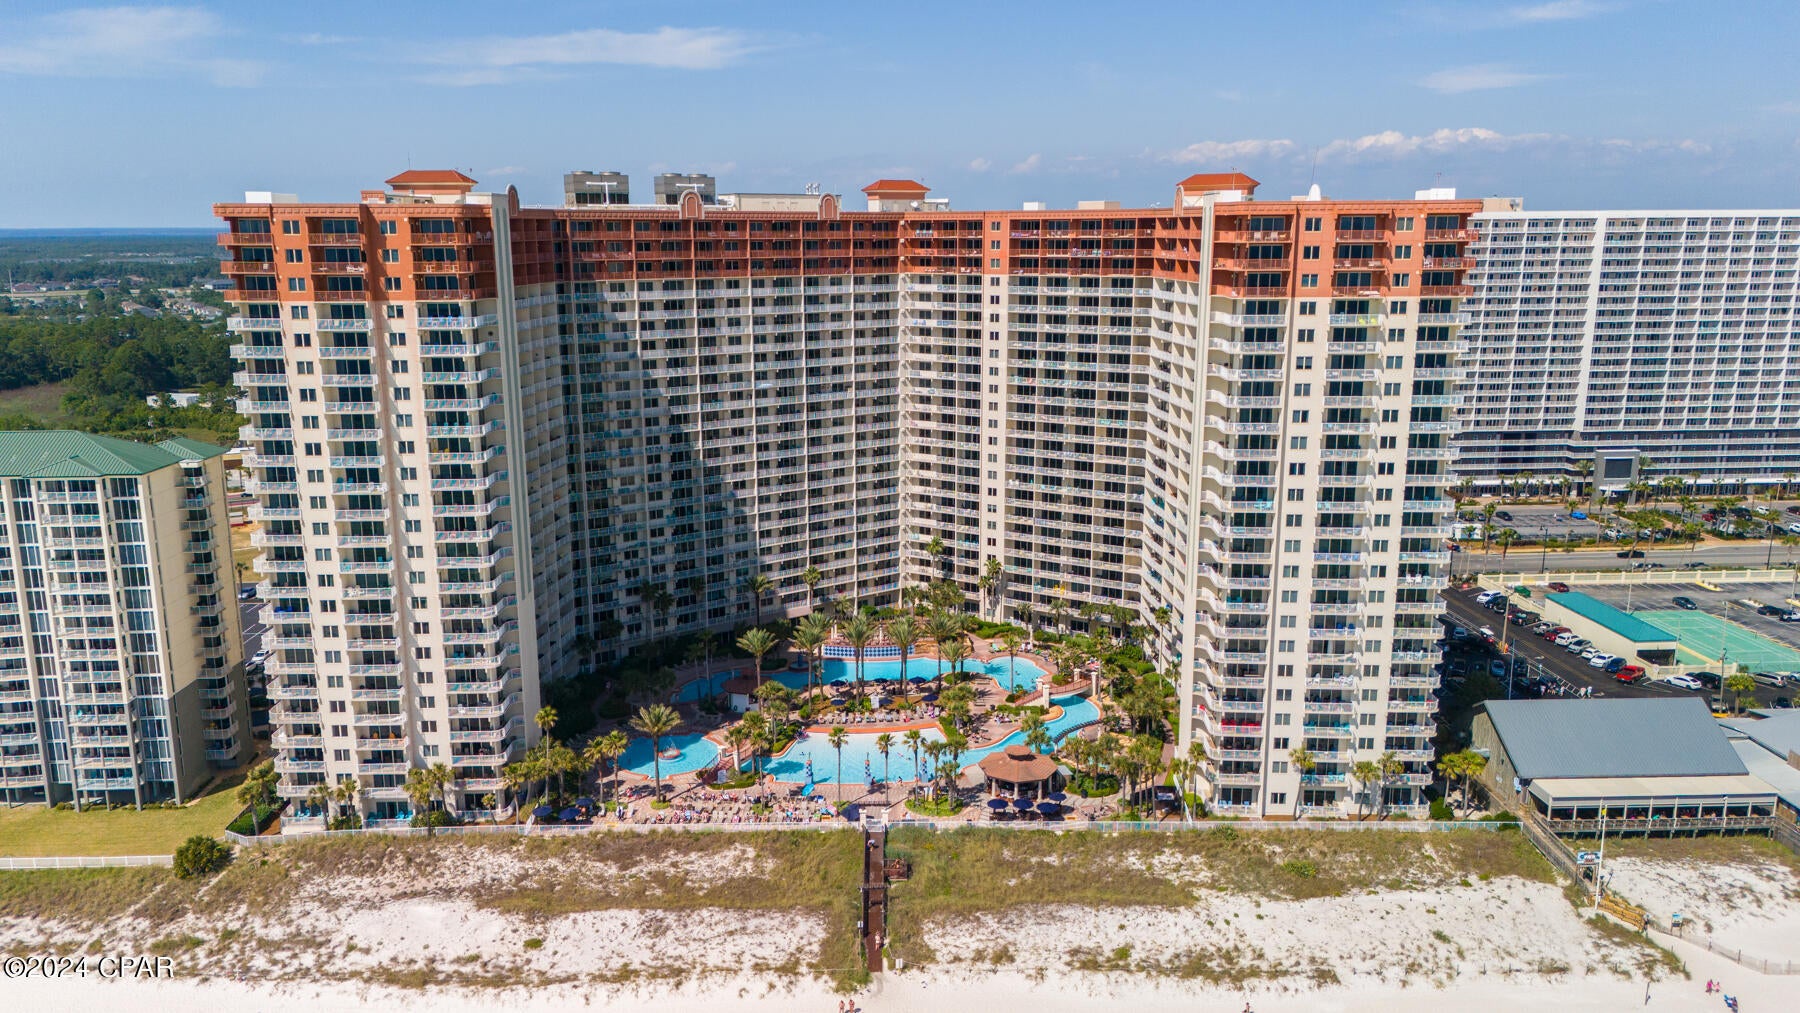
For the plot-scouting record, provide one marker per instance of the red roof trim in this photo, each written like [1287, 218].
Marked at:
[1218, 181]
[430, 177]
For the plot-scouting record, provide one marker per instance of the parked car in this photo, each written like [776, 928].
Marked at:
[1783, 703]
[1577, 645]
[1487, 633]
[1591, 652]
[1684, 602]
[1486, 596]
[1793, 529]
[1794, 509]
[1633, 670]
[1459, 633]
[1613, 664]
[1559, 587]
[1459, 668]
[1523, 618]
[247, 594]
[1556, 635]
[1503, 515]
[259, 658]
[1542, 628]
[1497, 668]
[1631, 554]
[1790, 616]
[1687, 682]
[1775, 679]
[1629, 674]
[1770, 610]
[1708, 679]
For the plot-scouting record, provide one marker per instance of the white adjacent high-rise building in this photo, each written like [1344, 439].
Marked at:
[121, 656]
[1634, 345]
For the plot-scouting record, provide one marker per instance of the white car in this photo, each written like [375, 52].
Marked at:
[1590, 653]
[1684, 682]
[1578, 645]
[1486, 596]
[1600, 661]
[1487, 633]
[1565, 639]
[257, 659]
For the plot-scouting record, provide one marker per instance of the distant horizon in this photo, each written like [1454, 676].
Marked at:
[100, 231]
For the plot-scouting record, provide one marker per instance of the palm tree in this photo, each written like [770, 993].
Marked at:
[837, 737]
[1505, 538]
[1738, 685]
[914, 739]
[656, 721]
[757, 642]
[1585, 468]
[319, 796]
[1487, 524]
[1012, 641]
[662, 601]
[606, 750]
[992, 572]
[811, 577]
[1388, 767]
[937, 550]
[943, 627]
[756, 586]
[545, 719]
[1037, 735]
[607, 631]
[442, 777]
[858, 631]
[883, 743]
[1365, 773]
[809, 637]
[756, 733]
[419, 791]
[904, 633]
[348, 792]
[736, 737]
[955, 651]
[258, 792]
[1303, 760]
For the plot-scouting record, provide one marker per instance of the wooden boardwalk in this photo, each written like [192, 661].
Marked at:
[874, 896]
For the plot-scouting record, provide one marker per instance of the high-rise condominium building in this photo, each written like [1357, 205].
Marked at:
[494, 439]
[1634, 345]
[121, 658]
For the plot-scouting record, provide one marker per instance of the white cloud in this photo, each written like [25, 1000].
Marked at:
[1030, 164]
[321, 39]
[1480, 77]
[124, 42]
[1786, 108]
[1556, 10]
[1225, 152]
[980, 165]
[1392, 144]
[504, 59]
[506, 170]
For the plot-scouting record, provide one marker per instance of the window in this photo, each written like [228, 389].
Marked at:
[1397, 305]
[296, 284]
[390, 256]
[1309, 253]
[1303, 390]
[290, 228]
[1403, 223]
[1288, 622]
[1314, 224]
[1401, 279]
[1403, 252]
[1296, 467]
[1308, 307]
[295, 256]
[1294, 520]
[1296, 443]
[1290, 597]
[1306, 334]
[1303, 362]
[1301, 415]
[1309, 281]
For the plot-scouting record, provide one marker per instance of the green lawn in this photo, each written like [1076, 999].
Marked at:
[42, 402]
[34, 831]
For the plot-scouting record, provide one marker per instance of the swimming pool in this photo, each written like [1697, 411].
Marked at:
[697, 752]
[859, 748]
[1019, 674]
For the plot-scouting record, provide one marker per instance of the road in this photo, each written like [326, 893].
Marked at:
[1533, 559]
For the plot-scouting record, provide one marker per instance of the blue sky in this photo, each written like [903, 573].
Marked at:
[143, 116]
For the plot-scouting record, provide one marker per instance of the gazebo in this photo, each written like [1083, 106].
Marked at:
[1018, 769]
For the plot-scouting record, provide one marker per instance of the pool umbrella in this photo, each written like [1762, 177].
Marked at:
[585, 802]
[867, 774]
[997, 804]
[918, 680]
[542, 812]
[1021, 804]
[809, 771]
[929, 698]
[1056, 796]
[1049, 808]
[569, 815]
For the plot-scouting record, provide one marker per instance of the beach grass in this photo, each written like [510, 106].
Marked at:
[36, 831]
[966, 872]
[1710, 850]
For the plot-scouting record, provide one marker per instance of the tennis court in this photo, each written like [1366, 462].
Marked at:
[1703, 635]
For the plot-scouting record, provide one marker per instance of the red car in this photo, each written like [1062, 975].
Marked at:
[1559, 587]
[1557, 632]
[1630, 674]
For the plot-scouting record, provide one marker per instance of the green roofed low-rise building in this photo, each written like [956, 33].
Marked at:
[121, 654]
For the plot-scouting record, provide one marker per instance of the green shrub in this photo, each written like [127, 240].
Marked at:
[534, 944]
[352, 821]
[201, 855]
[1509, 818]
[434, 818]
[613, 708]
[1088, 786]
[948, 805]
[1299, 868]
[1441, 811]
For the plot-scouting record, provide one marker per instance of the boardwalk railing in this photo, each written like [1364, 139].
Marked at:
[85, 862]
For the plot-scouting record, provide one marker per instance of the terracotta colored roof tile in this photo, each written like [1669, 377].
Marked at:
[1218, 181]
[430, 177]
[896, 186]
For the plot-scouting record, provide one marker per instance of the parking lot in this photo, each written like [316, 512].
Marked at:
[1761, 643]
[1542, 658]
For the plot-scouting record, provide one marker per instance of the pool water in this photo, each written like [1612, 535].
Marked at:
[697, 752]
[1019, 674]
[859, 748]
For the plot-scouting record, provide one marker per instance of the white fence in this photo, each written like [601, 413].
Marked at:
[1620, 578]
[1103, 826]
[85, 862]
